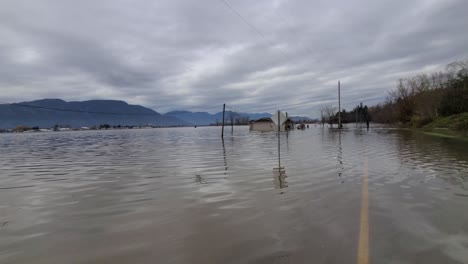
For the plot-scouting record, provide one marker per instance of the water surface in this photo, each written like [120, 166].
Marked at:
[183, 195]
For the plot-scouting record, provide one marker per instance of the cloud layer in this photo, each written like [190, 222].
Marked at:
[194, 55]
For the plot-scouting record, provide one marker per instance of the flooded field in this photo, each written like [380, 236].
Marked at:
[182, 195]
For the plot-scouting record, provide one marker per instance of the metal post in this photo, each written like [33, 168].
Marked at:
[339, 106]
[357, 108]
[222, 130]
[279, 150]
[360, 115]
[279, 125]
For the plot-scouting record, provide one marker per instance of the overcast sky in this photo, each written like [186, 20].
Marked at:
[181, 54]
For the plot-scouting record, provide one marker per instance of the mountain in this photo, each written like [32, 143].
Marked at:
[196, 118]
[204, 118]
[46, 113]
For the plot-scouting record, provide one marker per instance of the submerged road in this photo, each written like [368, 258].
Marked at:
[181, 195]
[363, 247]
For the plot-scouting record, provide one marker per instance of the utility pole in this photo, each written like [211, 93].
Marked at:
[357, 109]
[339, 106]
[360, 114]
[222, 130]
[232, 122]
[279, 125]
[279, 149]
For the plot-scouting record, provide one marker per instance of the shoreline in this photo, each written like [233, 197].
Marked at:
[441, 133]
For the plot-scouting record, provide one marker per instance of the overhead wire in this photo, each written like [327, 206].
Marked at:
[208, 108]
[89, 112]
[233, 110]
[289, 108]
[78, 111]
[271, 44]
[288, 23]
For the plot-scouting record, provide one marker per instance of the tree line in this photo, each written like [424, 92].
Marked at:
[360, 113]
[419, 99]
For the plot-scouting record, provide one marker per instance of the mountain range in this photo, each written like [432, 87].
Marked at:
[47, 113]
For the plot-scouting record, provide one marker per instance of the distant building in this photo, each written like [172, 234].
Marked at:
[266, 124]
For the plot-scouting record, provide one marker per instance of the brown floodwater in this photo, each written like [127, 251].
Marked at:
[183, 195]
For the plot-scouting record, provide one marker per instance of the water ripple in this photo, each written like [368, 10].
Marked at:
[183, 195]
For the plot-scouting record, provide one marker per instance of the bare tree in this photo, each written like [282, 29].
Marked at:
[457, 69]
[329, 112]
[419, 99]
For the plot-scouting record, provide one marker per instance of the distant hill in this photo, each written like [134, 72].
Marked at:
[46, 113]
[195, 118]
[205, 118]
[77, 114]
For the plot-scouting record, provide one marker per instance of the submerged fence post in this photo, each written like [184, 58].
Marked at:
[222, 129]
[339, 106]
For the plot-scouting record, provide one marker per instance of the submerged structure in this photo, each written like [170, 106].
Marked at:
[266, 124]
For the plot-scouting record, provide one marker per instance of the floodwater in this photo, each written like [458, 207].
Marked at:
[182, 195]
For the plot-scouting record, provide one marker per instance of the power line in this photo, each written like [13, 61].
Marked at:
[254, 29]
[288, 23]
[90, 112]
[245, 21]
[271, 44]
[290, 107]
[234, 110]
[78, 111]
[208, 108]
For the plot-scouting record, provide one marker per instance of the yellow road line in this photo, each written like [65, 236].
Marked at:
[363, 248]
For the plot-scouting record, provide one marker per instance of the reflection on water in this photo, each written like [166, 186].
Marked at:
[340, 157]
[435, 157]
[185, 195]
[224, 153]
[279, 173]
[279, 178]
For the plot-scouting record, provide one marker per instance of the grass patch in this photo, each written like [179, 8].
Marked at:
[454, 126]
[445, 133]
[457, 122]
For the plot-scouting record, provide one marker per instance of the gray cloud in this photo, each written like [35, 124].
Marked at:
[193, 55]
